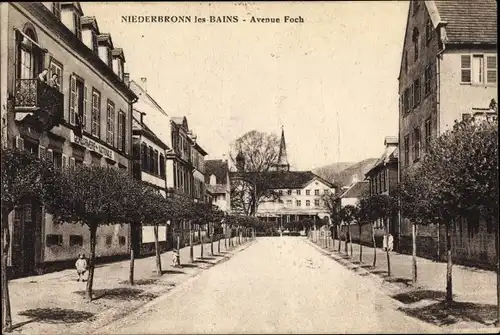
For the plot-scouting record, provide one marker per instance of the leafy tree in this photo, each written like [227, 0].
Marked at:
[332, 203]
[458, 177]
[91, 196]
[364, 215]
[25, 178]
[347, 215]
[250, 185]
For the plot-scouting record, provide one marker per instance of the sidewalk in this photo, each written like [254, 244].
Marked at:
[54, 303]
[474, 289]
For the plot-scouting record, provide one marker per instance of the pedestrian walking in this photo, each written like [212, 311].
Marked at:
[81, 266]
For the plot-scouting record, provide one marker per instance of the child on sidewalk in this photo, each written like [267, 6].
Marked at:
[176, 258]
[81, 266]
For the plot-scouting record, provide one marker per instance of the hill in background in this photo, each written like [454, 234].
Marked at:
[342, 174]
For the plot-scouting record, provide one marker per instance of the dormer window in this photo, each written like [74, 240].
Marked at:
[90, 30]
[56, 9]
[94, 42]
[109, 57]
[78, 28]
[70, 17]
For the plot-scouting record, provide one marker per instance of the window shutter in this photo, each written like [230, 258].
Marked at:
[64, 161]
[85, 104]
[72, 163]
[50, 156]
[120, 131]
[72, 99]
[41, 152]
[410, 97]
[466, 73]
[491, 69]
[19, 142]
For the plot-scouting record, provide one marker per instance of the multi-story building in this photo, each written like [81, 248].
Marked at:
[448, 71]
[217, 183]
[149, 167]
[299, 193]
[383, 179]
[64, 98]
[349, 196]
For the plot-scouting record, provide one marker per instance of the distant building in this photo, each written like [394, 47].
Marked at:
[64, 98]
[217, 183]
[282, 162]
[149, 167]
[448, 72]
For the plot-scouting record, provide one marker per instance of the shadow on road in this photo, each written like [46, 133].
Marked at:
[439, 314]
[418, 295]
[172, 272]
[189, 265]
[55, 315]
[121, 293]
[400, 280]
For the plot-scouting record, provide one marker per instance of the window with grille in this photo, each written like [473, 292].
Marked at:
[96, 113]
[416, 40]
[109, 240]
[308, 192]
[298, 203]
[308, 203]
[53, 240]
[56, 9]
[56, 68]
[473, 69]
[110, 124]
[298, 192]
[289, 192]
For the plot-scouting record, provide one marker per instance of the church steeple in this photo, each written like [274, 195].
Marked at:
[282, 164]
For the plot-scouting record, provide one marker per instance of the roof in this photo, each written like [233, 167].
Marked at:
[136, 87]
[284, 179]
[118, 52]
[90, 20]
[390, 155]
[200, 149]
[217, 189]
[391, 140]
[355, 191]
[105, 38]
[469, 21]
[145, 131]
[76, 4]
[217, 167]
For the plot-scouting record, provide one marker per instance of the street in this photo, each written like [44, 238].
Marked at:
[277, 285]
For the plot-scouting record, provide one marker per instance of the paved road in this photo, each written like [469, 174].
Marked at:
[277, 285]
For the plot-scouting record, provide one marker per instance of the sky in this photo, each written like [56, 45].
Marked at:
[330, 81]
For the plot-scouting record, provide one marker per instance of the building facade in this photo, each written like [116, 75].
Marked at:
[148, 153]
[64, 99]
[448, 72]
[217, 183]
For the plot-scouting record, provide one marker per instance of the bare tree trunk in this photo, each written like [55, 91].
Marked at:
[212, 244]
[90, 281]
[218, 246]
[201, 242]
[191, 249]
[346, 239]
[6, 313]
[132, 264]
[414, 253]
[179, 248]
[340, 238]
[157, 251]
[374, 246]
[360, 246]
[439, 243]
[387, 248]
[350, 239]
[449, 268]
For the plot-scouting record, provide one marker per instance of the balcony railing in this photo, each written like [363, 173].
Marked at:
[47, 103]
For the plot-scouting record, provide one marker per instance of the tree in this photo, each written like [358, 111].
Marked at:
[332, 203]
[457, 178]
[364, 215]
[91, 196]
[347, 215]
[254, 154]
[25, 178]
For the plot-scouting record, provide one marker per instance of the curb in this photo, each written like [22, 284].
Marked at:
[142, 309]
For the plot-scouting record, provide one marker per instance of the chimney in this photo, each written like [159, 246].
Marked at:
[126, 80]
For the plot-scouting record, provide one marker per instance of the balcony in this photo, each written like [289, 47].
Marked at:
[39, 103]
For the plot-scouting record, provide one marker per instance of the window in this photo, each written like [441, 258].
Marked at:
[76, 100]
[416, 92]
[110, 57]
[155, 162]
[110, 125]
[144, 157]
[55, 68]
[84, 108]
[316, 192]
[94, 42]
[466, 116]
[410, 97]
[308, 203]
[162, 165]
[308, 192]
[280, 192]
[298, 203]
[122, 130]
[78, 28]
[466, 69]
[326, 191]
[416, 40]
[122, 240]
[428, 134]
[416, 144]
[53, 240]
[477, 69]
[28, 56]
[427, 79]
[27, 213]
[428, 31]
[491, 69]
[151, 160]
[109, 240]
[406, 101]
[56, 9]
[316, 202]
[298, 192]
[407, 150]
[289, 192]
[96, 113]
[75, 240]
[289, 203]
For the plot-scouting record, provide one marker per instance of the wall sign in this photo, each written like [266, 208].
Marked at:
[92, 145]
